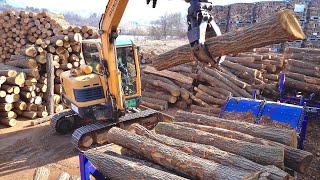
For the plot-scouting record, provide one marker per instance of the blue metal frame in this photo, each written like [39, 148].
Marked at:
[86, 168]
[292, 114]
[312, 106]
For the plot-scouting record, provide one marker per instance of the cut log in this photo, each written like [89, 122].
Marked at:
[114, 167]
[152, 106]
[240, 68]
[169, 74]
[174, 90]
[210, 152]
[8, 121]
[3, 93]
[308, 72]
[284, 136]
[22, 62]
[302, 85]
[198, 101]
[41, 173]
[303, 78]
[5, 107]
[295, 159]
[28, 114]
[156, 101]
[16, 80]
[205, 109]
[29, 51]
[8, 73]
[265, 155]
[165, 97]
[285, 27]
[174, 159]
[20, 105]
[181, 104]
[9, 115]
[185, 94]
[209, 99]
[213, 92]
[240, 59]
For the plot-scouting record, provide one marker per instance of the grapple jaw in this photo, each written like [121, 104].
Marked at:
[200, 27]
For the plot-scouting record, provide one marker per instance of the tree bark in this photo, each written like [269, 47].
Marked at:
[302, 85]
[213, 92]
[209, 152]
[295, 159]
[152, 106]
[169, 74]
[277, 29]
[174, 90]
[8, 73]
[308, 72]
[165, 97]
[113, 167]
[261, 154]
[50, 83]
[303, 78]
[174, 159]
[8, 121]
[156, 101]
[205, 109]
[284, 136]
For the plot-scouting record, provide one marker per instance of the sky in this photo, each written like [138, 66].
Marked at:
[137, 10]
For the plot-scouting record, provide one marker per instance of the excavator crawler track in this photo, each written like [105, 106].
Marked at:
[60, 116]
[101, 125]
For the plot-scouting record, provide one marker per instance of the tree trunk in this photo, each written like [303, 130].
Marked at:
[5, 107]
[50, 82]
[156, 101]
[174, 90]
[205, 109]
[113, 167]
[41, 173]
[284, 136]
[198, 101]
[22, 62]
[8, 73]
[209, 152]
[20, 105]
[165, 97]
[8, 121]
[303, 78]
[29, 50]
[209, 99]
[302, 85]
[152, 106]
[240, 68]
[308, 72]
[169, 74]
[213, 92]
[295, 159]
[285, 27]
[261, 154]
[17, 80]
[174, 159]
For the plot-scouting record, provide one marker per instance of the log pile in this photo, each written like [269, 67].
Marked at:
[27, 40]
[302, 69]
[236, 150]
[204, 89]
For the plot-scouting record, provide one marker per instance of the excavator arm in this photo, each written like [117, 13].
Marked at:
[108, 33]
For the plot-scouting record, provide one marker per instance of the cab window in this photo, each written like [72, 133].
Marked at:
[91, 56]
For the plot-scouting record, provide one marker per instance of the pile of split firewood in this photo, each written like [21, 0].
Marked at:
[213, 148]
[204, 89]
[27, 39]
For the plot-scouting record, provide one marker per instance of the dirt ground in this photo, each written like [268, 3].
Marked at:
[24, 148]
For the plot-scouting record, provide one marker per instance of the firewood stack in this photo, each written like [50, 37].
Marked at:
[204, 89]
[191, 145]
[302, 69]
[26, 39]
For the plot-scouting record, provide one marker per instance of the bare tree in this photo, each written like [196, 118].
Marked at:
[168, 25]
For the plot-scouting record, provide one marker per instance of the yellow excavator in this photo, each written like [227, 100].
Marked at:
[105, 92]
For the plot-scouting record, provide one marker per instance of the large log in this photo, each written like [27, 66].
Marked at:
[169, 74]
[284, 136]
[265, 155]
[295, 159]
[302, 85]
[226, 81]
[303, 78]
[277, 29]
[113, 167]
[174, 159]
[8, 121]
[166, 97]
[209, 152]
[22, 62]
[174, 90]
[156, 101]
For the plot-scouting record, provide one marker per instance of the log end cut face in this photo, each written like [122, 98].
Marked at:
[291, 24]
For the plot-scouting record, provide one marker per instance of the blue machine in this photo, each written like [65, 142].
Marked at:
[281, 112]
[292, 96]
